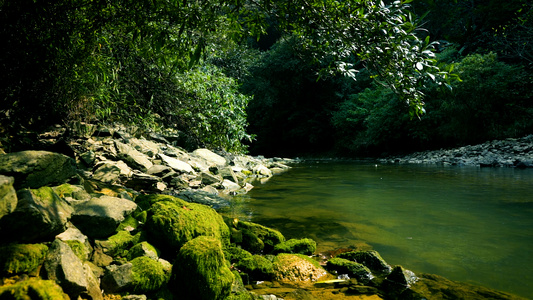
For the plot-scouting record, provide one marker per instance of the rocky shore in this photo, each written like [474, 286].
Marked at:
[110, 212]
[511, 152]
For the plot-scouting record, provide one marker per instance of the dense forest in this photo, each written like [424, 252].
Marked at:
[273, 77]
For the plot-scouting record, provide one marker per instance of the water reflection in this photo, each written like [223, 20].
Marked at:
[464, 223]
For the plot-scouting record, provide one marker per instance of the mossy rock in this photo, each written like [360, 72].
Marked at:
[257, 267]
[201, 271]
[76, 192]
[174, 222]
[256, 238]
[129, 223]
[371, 259]
[300, 246]
[149, 274]
[297, 268]
[33, 289]
[144, 202]
[143, 249]
[119, 243]
[21, 258]
[351, 268]
[79, 249]
[238, 291]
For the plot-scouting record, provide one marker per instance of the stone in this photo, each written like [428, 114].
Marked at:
[143, 249]
[140, 275]
[300, 246]
[172, 222]
[40, 215]
[33, 169]
[21, 258]
[64, 267]
[399, 279]
[228, 174]
[72, 192]
[99, 217]
[201, 271]
[145, 146]
[256, 238]
[88, 157]
[297, 268]
[111, 171]
[370, 258]
[176, 164]
[132, 157]
[210, 157]
[208, 178]
[257, 267]
[140, 181]
[34, 288]
[159, 170]
[352, 269]
[261, 170]
[230, 186]
[8, 195]
[78, 242]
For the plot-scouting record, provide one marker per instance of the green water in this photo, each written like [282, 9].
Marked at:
[464, 223]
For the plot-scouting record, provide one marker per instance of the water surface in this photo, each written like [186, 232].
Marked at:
[464, 223]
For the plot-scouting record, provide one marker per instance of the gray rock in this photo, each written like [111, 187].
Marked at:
[210, 157]
[8, 195]
[132, 157]
[261, 170]
[227, 173]
[159, 170]
[142, 181]
[208, 178]
[112, 171]
[400, 278]
[176, 164]
[40, 215]
[99, 217]
[64, 267]
[74, 234]
[117, 278]
[145, 146]
[205, 198]
[33, 169]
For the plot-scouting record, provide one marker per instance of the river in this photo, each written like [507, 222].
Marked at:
[465, 223]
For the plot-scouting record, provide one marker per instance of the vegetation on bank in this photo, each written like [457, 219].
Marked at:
[274, 77]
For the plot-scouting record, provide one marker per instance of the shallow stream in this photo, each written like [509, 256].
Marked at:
[464, 223]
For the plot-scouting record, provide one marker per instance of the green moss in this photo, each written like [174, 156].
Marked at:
[256, 238]
[143, 249]
[172, 223]
[256, 267]
[148, 275]
[119, 243]
[371, 259]
[129, 221]
[146, 201]
[74, 191]
[33, 289]
[201, 271]
[302, 246]
[353, 269]
[21, 258]
[79, 249]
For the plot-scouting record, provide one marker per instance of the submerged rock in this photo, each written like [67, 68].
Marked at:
[201, 271]
[33, 169]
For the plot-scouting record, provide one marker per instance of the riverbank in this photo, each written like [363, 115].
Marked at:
[511, 152]
[110, 212]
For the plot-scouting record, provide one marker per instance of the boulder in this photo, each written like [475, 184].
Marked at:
[78, 242]
[254, 237]
[210, 157]
[8, 195]
[33, 169]
[176, 164]
[172, 222]
[64, 267]
[143, 249]
[300, 246]
[145, 146]
[230, 186]
[371, 259]
[350, 268]
[256, 267]
[297, 268]
[111, 171]
[35, 289]
[140, 275]
[99, 217]
[72, 192]
[159, 170]
[40, 215]
[21, 258]
[132, 157]
[261, 170]
[200, 270]
[398, 280]
[228, 174]
[140, 181]
[208, 178]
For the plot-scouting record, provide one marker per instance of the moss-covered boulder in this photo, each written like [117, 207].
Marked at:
[33, 169]
[371, 259]
[33, 289]
[351, 268]
[140, 275]
[254, 237]
[143, 249]
[8, 195]
[74, 192]
[40, 215]
[201, 271]
[300, 246]
[254, 267]
[119, 243]
[21, 258]
[297, 268]
[173, 222]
